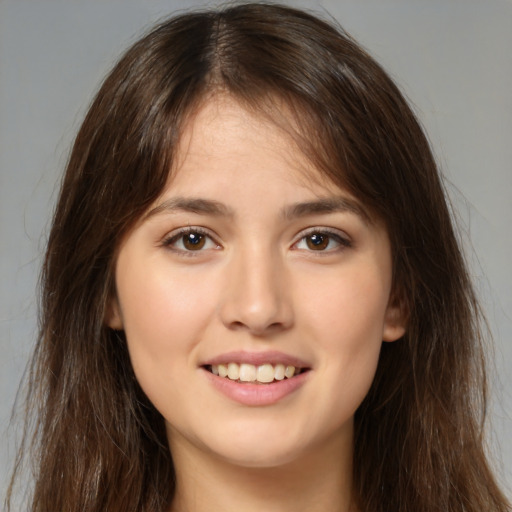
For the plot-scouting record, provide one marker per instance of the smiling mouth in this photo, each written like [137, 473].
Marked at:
[255, 374]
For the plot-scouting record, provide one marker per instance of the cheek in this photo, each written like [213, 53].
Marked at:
[346, 319]
[349, 308]
[161, 302]
[164, 315]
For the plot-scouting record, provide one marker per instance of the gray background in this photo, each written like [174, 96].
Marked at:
[453, 59]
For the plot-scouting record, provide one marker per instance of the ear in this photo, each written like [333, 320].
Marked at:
[113, 318]
[395, 321]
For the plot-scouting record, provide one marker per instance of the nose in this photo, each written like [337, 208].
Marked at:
[257, 296]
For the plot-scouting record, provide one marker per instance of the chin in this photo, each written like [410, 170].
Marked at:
[259, 455]
[263, 446]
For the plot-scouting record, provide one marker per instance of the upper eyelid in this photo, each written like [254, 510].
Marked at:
[176, 233]
[344, 240]
[323, 230]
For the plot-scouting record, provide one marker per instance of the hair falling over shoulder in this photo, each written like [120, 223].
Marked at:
[95, 441]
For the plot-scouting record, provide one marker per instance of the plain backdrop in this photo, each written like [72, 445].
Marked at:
[452, 58]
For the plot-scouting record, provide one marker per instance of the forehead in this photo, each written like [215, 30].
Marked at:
[223, 134]
[229, 154]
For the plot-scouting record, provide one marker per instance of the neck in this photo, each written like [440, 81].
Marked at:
[320, 480]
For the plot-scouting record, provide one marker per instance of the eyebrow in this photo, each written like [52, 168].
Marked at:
[192, 205]
[325, 206]
[297, 210]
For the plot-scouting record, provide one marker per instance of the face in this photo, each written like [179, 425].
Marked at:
[254, 299]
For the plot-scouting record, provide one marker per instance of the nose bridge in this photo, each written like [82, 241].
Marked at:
[257, 296]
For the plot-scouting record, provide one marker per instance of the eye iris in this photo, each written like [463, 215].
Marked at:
[317, 241]
[194, 241]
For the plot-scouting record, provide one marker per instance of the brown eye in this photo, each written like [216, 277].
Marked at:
[190, 240]
[317, 241]
[323, 241]
[193, 241]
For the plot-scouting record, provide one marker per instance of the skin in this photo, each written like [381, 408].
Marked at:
[257, 284]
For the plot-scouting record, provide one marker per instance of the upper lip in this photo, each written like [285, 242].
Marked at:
[256, 358]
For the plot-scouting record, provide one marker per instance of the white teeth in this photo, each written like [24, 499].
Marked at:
[247, 372]
[265, 373]
[279, 372]
[233, 371]
[288, 373]
[223, 370]
[244, 372]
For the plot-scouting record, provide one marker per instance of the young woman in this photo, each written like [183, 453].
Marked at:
[253, 297]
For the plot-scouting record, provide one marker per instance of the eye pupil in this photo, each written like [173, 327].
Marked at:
[194, 241]
[317, 241]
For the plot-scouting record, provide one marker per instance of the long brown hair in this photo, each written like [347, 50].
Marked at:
[99, 444]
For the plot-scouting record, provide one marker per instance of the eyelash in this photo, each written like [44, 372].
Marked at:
[331, 235]
[175, 236]
[342, 241]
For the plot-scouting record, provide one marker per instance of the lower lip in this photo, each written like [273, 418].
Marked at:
[256, 394]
